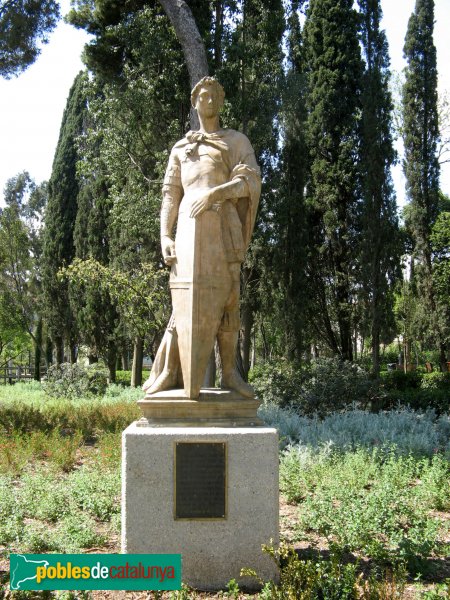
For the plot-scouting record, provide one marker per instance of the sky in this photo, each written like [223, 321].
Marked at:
[32, 105]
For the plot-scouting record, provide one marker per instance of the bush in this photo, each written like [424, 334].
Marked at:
[322, 387]
[279, 383]
[75, 381]
[369, 502]
[123, 378]
[317, 578]
[436, 381]
[399, 380]
[405, 430]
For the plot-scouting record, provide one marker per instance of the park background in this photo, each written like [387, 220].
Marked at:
[345, 305]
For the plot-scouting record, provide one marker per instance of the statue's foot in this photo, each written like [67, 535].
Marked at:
[233, 381]
[166, 381]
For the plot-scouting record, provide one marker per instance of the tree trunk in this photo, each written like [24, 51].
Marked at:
[191, 42]
[73, 354]
[443, 358]
[138, 357]
[112, 361]
[376, 352]
[59, 346]
[125, 360]
[48, 351]
[247, 324]
[38, 350]
[239, 363]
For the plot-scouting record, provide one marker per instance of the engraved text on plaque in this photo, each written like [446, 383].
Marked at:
[200, 480]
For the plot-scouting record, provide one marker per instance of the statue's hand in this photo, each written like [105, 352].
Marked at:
[203, 202]
[168, 250]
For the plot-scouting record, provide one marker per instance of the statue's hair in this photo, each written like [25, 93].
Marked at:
[208, 82]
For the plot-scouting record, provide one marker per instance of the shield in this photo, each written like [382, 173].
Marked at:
[200, 284]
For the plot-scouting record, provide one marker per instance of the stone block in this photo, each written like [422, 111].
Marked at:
[213, 551]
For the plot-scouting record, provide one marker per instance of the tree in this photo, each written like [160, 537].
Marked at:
[440, 245]
[334, 70]
[20, 249]
[23, 25]
[94, 309]
[287, 290]
[421, 165]
[60, 216]
[136, 112]
[380, 239]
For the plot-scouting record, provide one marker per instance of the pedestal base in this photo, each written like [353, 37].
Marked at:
[214, 550]
[214, 407]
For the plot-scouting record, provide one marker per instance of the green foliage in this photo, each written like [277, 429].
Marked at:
[75, 381]
[441, 590]
[95, 310]
[380, 242]
[421, 167]
[326, 385]
[321, 387]
[278, 383]
[318, 578]
[334, 71]
[26, 408]
[399, 380]
[20, 249]
[60, 216]
[370, 502]
[139, 294]
[24, 25]
[96, 492]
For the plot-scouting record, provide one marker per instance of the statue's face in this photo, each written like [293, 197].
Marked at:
[207, 102]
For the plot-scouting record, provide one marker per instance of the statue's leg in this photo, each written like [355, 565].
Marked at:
[164, 374]
[227, 338]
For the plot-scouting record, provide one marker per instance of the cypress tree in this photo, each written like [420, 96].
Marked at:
[60, 215]
[421, 166]
[289, 208]
[96, 314]
[334, 71]
[380, 238]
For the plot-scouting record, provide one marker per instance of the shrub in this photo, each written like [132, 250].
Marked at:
[323, 386]
[335, 384]
[408, 431]
[317, 578]
[399, 380]
[75, 381]
[96, 491]
[368, 502]
[436, 381]
[279, 383]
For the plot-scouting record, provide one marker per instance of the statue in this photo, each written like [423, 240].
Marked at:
[211, 192]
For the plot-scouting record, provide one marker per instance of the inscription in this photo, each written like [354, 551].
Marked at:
[200, 480]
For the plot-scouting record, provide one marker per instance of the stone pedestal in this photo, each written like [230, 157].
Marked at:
[213, 550]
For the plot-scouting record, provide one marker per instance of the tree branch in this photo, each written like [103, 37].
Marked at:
[188, 35]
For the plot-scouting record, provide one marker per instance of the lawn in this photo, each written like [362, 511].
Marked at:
[364, 498]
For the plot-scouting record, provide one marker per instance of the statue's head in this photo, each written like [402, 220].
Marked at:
[208, 95]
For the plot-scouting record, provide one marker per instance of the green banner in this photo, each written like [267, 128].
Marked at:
[95, 571]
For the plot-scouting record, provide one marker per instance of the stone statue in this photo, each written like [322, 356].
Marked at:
[211, 192]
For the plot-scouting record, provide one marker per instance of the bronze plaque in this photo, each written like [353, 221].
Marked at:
[200, 480]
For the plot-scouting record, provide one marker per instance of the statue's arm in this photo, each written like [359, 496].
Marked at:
[172, 194]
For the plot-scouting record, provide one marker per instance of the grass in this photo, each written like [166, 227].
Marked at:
[365, 519]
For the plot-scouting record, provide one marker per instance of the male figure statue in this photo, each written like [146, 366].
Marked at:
[211, 192]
